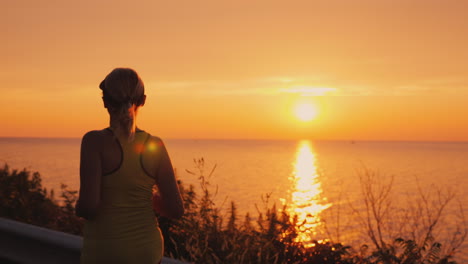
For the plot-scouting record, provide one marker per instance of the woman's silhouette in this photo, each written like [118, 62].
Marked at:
[118, 168]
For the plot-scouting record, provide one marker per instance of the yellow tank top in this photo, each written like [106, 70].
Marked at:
[125, 229]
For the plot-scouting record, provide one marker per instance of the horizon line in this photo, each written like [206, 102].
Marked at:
[269, 139]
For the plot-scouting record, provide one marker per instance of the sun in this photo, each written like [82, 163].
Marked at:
[305, 112]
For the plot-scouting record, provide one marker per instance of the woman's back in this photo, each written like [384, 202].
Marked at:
[125, 229]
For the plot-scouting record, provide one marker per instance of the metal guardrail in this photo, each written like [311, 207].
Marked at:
[28, 244]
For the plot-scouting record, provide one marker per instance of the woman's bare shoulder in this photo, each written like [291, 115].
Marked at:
[153, 139]
[95, 136]
[155, 143]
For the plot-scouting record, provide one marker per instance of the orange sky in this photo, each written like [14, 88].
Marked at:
[377, 70]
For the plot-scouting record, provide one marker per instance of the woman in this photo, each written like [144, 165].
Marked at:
[119, 167]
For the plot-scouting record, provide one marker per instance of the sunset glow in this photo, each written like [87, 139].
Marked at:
[217, 69]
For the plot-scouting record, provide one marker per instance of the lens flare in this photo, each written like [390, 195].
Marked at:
[152, 146]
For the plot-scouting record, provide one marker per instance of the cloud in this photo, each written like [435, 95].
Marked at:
[272, 86]
[258, 86]
[309, 91]
[220, 87]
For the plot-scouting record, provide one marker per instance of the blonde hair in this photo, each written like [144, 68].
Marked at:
[123, 92]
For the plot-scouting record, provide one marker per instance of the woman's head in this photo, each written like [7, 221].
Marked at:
[123, 92]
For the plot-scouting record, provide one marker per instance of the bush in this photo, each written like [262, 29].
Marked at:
[205, 235]
[24, 199]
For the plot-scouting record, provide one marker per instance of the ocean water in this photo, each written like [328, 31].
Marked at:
[320, 181]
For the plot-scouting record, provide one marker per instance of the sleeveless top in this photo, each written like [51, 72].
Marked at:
[125, 229]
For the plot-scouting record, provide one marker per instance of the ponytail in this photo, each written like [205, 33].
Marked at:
[126, 118]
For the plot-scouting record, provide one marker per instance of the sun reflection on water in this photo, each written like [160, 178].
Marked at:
[307, 201]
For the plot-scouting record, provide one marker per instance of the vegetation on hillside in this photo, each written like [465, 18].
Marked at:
[207, 234]
[23, 198]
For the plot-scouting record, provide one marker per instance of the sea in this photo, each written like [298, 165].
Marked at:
[334, 186]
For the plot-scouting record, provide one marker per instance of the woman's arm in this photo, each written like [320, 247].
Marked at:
[90, 176]
[169, 203]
